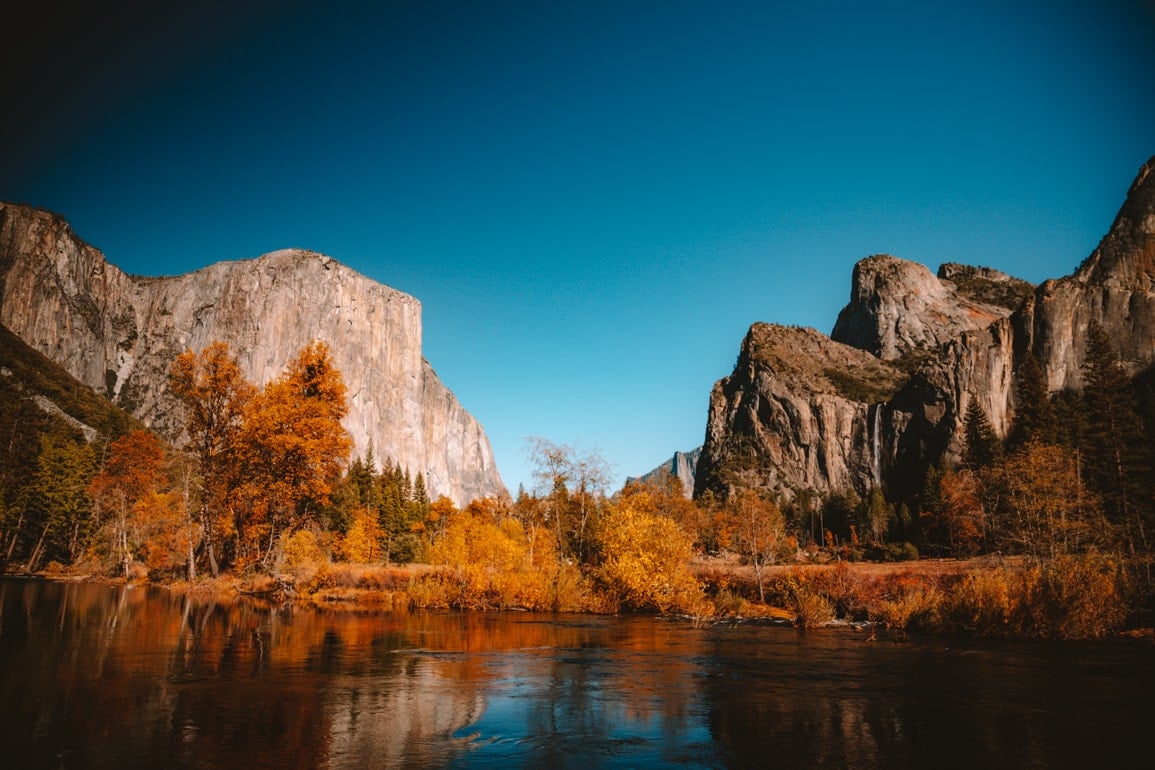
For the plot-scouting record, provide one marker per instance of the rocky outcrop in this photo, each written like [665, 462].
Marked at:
[898, 308]
[683, 466]
[119, 334]
[800, 412]
[1114, 287]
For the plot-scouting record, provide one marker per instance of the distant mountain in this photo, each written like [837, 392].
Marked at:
[119, 334]
[683, 465]
[885, 394]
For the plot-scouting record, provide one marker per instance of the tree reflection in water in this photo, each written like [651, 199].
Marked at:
[98, 676]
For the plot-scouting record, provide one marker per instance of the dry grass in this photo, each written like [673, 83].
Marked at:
[1072, 597]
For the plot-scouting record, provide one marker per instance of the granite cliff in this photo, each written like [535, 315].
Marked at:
[119, 333]
[885, 394]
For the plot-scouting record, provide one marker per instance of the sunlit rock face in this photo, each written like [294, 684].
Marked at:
[119, 334]
[800, 412]
[1114, 287]
[899, 307]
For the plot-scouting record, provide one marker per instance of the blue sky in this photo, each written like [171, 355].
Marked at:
[593, 201]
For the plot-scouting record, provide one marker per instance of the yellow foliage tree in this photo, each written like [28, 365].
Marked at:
[214, 395]
[645, 557]
[362, 543]
[1042, 507]
[492, 562]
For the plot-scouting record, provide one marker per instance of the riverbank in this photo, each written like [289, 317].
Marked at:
[1070, 597]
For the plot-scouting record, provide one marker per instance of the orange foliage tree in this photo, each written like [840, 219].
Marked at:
[131, 473]
[1042, 508]
[758, 532]
[292, 451]
[214, 395]
[491, 558]
[267, 459]
[955, 511]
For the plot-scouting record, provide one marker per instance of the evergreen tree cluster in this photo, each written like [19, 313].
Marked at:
[397, 501]
[1070, 457]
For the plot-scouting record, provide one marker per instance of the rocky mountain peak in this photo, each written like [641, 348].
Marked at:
[898, 308]
[1126, 255]
[1114, 288]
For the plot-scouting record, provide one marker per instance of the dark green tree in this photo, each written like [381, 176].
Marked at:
[1114, 454]
[983, 447]
[56, 506]
[1034, 414]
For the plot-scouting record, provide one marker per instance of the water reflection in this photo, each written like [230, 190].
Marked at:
[96, 676]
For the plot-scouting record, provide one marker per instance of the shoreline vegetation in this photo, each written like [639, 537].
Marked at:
[1045, 533]
[1085, 597]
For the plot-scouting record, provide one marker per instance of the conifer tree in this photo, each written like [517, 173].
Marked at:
[983, 447]
[1034, 414]
[1114, 453]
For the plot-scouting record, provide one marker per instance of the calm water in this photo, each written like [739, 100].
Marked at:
[98, 676]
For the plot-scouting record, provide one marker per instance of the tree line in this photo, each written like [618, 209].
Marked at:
[264, 484]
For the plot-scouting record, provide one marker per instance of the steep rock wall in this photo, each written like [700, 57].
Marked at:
[777, 424]
[119, 334]
[800, 411]
[1114, 287]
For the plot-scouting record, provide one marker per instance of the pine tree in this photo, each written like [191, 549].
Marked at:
[1114, 452]
[1034, 414]
[983, 447]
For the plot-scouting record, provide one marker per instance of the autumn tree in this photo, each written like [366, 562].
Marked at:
[669, 496]
[214, 395]
[362, 542]
[953, 511]
[644, 557]
[131, 473]
[293, 449]
[1041, 507]
[758, 533]
[572, 485]
[490, 559]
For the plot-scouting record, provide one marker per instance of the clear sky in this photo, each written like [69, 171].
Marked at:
[592, 200]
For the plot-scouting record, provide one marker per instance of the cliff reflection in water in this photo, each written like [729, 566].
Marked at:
[97, 676]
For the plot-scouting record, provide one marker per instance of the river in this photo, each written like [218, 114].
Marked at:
[95, 676]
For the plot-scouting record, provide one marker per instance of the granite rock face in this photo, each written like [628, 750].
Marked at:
[800, 411]
[1114, 287]
[886, 394]
[898, 307]
[119, 334]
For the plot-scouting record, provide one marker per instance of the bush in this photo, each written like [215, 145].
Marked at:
[893, 552]
[1067, 597]
[907, 602]
[811, 607]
